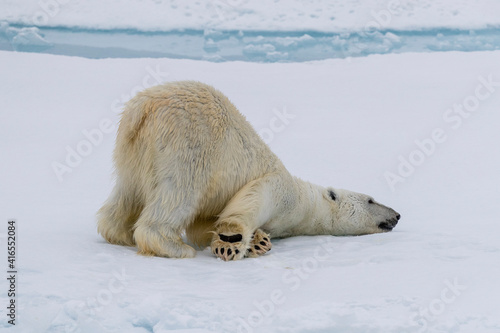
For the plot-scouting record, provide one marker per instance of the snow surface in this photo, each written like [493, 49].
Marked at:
[263, 31]
[419, 132]
[284, 15]
[355, 121]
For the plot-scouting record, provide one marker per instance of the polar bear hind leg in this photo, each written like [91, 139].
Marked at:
[117, 216]
[158, 230]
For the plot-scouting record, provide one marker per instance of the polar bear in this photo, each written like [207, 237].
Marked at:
[187, 161]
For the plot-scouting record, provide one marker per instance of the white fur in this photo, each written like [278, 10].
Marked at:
[187, 160]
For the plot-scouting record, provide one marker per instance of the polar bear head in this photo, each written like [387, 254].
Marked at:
[358, 214]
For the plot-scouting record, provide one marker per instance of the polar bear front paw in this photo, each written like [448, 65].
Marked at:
[228, 247]
[260, 244]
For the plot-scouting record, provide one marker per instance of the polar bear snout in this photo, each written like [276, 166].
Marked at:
[389, 224]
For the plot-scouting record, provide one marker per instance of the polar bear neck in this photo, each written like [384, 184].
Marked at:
[317, 219]
[310, 215]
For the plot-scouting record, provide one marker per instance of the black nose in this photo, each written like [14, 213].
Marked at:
[398, 217]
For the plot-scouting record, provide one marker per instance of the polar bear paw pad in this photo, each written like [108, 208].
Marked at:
[260, 244]
[229, 247]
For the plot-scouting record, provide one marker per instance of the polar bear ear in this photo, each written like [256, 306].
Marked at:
[332, 195]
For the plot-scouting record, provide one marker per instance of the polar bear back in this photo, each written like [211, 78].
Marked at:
[189, 135]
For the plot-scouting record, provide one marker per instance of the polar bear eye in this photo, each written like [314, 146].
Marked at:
[370, 201]
[332, 195]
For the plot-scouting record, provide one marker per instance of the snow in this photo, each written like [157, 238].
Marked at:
[24, 36]
[418, 131]
[262, 31]
[354, 121]
[279, 15]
